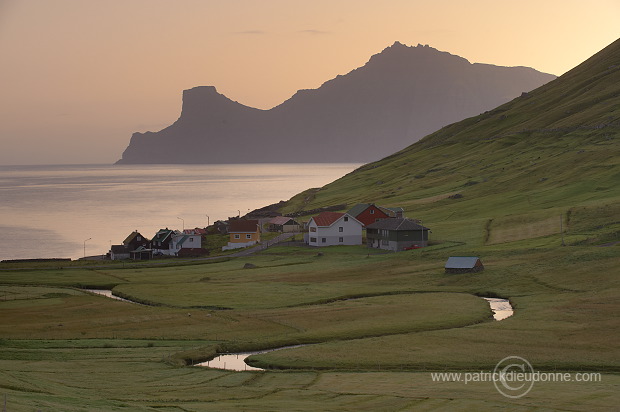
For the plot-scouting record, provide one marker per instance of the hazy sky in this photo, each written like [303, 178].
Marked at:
[78, 77]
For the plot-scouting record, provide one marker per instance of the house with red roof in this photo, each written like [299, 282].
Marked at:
[332, 228]
[368, 213]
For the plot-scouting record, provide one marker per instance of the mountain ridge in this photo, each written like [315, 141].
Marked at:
[397, 97]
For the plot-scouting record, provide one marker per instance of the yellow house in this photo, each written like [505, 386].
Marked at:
[243, 233]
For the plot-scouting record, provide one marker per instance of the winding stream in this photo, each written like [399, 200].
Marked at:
[236, 361]
[108, 294]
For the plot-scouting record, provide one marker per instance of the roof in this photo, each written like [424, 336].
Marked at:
[142, 249]
[326, 219]
[196, 231]
[242, 226]
[361, 207]
[161, 235]
[132, 236]
[399, 223]
[182, 240]
[358, 208]
[461, 262]
[280, 220]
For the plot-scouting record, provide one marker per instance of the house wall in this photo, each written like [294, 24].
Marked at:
[243, 237]
[371, 215]
[412, 235]
[137, 242]
[238, 245]
[192, 242]
[119, 256]
[164, 248]
[288, 228]
[395, 240]
[351, 233]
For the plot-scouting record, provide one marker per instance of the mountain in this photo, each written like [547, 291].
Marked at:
[399, 96]
[546, 161]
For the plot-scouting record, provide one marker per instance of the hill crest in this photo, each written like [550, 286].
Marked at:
[397, 97]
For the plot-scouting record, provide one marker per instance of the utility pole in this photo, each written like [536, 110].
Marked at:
[85, 245]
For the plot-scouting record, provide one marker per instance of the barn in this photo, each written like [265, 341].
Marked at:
[464, 264]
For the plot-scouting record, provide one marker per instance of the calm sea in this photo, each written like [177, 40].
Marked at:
[69, 211]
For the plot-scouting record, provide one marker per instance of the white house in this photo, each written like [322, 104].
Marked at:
[182, 240]
[331, 228]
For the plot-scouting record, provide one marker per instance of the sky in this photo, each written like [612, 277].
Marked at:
[78, 77]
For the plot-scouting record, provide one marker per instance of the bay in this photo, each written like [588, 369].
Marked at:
[69, 211]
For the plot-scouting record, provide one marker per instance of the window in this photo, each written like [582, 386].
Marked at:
[191, 239]
[237, 236]
[341, 239]
[313, 229]
[341, 229]
[248, 236]
[346, 218]
[312, 240]
[372, 211]
[323, 240]
[138, 238]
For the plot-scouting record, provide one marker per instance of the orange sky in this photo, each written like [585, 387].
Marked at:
[78, 77]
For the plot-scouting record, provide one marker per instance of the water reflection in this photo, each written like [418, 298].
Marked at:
[232, 362]
[501, 308]
[108, 294]
[236, 361]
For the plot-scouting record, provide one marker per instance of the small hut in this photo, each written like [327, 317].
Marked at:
[463, 264]
[284, 224]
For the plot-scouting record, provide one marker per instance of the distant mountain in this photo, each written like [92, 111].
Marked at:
[399, 96]
[511, 172]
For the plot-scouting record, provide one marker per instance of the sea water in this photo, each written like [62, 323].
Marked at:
[80, 210]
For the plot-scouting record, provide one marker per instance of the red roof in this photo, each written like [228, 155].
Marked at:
[197, 231]
[327, 218]
[242, 226]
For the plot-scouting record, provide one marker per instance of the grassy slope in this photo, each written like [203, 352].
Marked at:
[532, 159]
[519, 168]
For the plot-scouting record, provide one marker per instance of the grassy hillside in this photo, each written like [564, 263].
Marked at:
[516, 169]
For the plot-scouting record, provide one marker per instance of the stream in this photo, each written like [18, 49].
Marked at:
[236, 361]
[108, 294]
[501, 308]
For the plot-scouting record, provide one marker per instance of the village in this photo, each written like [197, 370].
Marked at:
[384, 228]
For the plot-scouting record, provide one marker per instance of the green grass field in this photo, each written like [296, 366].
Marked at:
[376, 325]
[539, 204]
